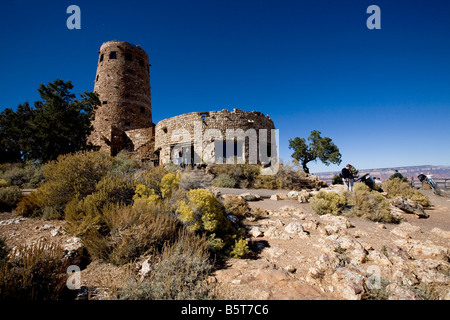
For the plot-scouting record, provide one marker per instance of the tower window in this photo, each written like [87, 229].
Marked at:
[204, 115]
[141, 62]
[142, 110]
[127, 123]
[101, 57]
[96, 79]
[128, 56]
[105, 102]
[113, 55]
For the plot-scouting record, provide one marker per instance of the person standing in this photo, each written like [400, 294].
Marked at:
[348, 177]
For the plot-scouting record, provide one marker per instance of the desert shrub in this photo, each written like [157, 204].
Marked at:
[124, 164]
[256, 213]
[78, 173]
[180, 275]
[145, 195]
[248, 176]
[172, 167]
[360, 187]
[240, 249]
[224, 181]
[29, 206]
[9, 198]
[35, 272]
[72, 176]
[328, 202]
[243, 174]
[370, 205]
[202, 212]
[266, 182]
[4, 251]
[237, 206]
[288, 178]
[169, 183]
[3, 183]
[152, 177]
[85, 214]
[394, 176]
[195, 179]
[24, 175]
[337, 179]
[420, 198]
[129, 232]
[362, 202]
[397, 187]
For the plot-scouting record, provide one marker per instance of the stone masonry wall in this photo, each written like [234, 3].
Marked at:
[198, 122]
[123, 85]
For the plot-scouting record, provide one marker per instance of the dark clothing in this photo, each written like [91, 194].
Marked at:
[346, 174]
[398, 175]
[422, 177]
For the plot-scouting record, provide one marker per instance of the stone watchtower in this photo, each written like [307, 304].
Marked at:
[124, 118]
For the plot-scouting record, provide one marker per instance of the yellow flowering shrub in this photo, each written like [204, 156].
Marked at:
[169, 183]
[202, 212]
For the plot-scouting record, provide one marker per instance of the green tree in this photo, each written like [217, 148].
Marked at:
[14, 133]
[58, 124]
[319, 148]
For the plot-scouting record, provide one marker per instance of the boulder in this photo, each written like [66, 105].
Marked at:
[349, 282]
[146, 267]
[282, 196]
[441, 233]
[250, 196]
[273, 233]
[292, 194]
[255, 232]
[294, 227]
[274, 197]
[340, 221]
[75, 252]
[398, 292]
[405, 229]
[409, 206]
[290, 268]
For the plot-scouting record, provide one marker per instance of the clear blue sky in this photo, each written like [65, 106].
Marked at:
[383, 96]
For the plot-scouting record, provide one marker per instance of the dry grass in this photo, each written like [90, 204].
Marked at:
[180, 274]
[131, 232]
[34, 273]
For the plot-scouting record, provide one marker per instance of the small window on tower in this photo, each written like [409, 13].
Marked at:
[96, 79]
[127, 123]
[141, 62]
[142, 110]
[105, 102]
[101, 57]
[113, 55]
[128, 56]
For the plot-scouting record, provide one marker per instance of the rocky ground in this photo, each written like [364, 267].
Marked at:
[301, 255]
[307, 256]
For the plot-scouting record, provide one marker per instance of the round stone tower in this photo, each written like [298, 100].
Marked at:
[123, 84]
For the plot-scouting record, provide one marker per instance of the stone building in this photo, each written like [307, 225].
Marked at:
[124, 119]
